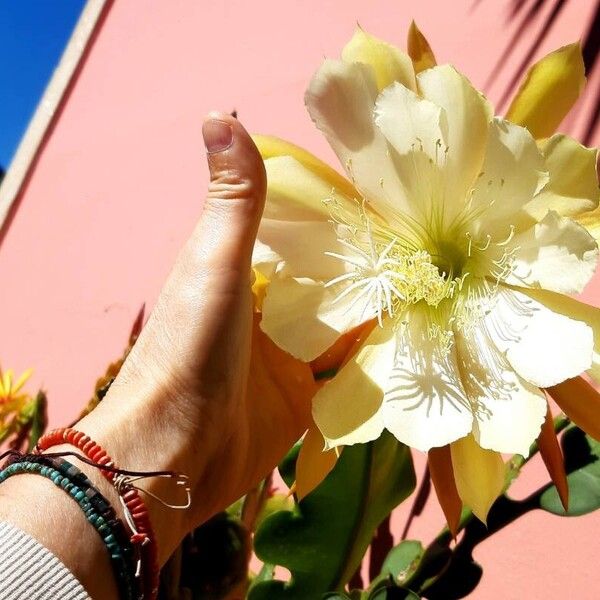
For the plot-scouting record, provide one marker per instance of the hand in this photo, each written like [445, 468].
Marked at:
[181, 400]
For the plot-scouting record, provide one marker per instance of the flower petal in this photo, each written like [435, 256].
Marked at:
[340, 100]
[468, 115]
[580, 402]
[591, 221]
[544, 347]
[512, 423]
[511, 174]
[578, 311]
[419, 49]
[439, 461]
[295, 231]
[416, 130]
[297, 248]
[479, 475]
[573, 185]
[271, 146]
[408, 122]
[556, 254]
[343, 350]
[425, 403]
[301, 317]
[549, 90]
[388, 62]
[313, 464]
[347, 408]
[297, 193]
[508, 411]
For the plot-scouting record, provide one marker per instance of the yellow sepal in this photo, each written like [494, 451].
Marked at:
[549, 90]
[314, 463]
[419, 49]
[270, 146]
[479, 475]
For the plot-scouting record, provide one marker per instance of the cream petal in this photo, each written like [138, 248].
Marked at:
[297, 249]
[387, 61]
[302, 317]
[425, 404]
[556, 254]
[408, 122]
[573, 185]
[575, 310]
[265, 259]
[468, 115]
[511, 424]
[416, 129]
[508, 411]
[295, 231]
[511, 174]
[347, 409]
[340, 100]
[543, 347]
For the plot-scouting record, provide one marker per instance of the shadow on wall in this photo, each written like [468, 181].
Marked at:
[526, 13]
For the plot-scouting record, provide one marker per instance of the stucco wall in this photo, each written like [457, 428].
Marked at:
[120, 183]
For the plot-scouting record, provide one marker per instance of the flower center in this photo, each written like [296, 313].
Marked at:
[388, 272]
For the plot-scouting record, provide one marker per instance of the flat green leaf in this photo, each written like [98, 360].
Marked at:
[403, 559]
[266, 573]
[582, 463]
[323, 540]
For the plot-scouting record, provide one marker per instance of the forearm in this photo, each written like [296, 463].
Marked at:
[35, 505]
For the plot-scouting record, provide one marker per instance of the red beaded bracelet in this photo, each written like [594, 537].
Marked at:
[136, 513]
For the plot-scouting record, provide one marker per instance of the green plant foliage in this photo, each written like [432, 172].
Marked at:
[393, 593]
[403, 559]
[38, 419]
[287, 467]
[322, 541]
[582, 463]
[266, 573]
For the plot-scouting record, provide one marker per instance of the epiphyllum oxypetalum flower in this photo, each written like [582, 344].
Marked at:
[452, 223]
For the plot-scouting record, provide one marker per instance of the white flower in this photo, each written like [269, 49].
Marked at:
[451, 226]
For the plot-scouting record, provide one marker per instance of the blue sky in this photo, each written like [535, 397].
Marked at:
[33, 34]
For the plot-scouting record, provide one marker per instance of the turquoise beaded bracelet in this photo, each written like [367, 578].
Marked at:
[118, 555]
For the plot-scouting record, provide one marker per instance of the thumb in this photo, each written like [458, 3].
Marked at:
[233, 207]
[211, 276]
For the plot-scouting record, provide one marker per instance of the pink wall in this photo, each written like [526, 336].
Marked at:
[120, 184]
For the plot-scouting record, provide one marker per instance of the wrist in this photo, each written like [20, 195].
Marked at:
[38, 507]
[134, 435]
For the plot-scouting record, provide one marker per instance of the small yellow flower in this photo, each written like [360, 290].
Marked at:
[12, 396]
[13, 402]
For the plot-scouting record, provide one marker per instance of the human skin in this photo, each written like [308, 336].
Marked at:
[179, 401]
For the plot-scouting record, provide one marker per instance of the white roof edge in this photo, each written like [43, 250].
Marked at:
[48, 106]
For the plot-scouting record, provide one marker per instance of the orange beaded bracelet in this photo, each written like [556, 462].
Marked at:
[136, 513]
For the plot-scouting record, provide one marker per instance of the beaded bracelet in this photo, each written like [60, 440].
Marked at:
[125, 574]
[104, 526]
[136, 513]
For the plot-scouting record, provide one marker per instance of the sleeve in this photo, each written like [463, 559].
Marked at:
[29, 571]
